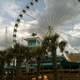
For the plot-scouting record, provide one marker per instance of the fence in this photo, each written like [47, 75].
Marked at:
[60, 74]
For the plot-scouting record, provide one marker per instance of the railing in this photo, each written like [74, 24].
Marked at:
[61, 74]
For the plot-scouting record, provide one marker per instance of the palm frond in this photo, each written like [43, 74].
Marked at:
[62, 45]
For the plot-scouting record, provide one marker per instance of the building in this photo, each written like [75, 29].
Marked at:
[33, 42]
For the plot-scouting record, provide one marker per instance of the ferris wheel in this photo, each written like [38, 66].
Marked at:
[22, 16]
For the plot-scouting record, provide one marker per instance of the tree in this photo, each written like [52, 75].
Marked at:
[51, 43]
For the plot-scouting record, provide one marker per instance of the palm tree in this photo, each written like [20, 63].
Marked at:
[51, 43]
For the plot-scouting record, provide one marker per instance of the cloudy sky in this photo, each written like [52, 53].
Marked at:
[62, 15]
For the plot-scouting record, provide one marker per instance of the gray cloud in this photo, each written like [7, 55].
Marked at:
[58, 11]
[55, 13]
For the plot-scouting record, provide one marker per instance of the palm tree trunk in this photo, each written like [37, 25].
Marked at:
[38, 66]
[2, 67]
[54, 63]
